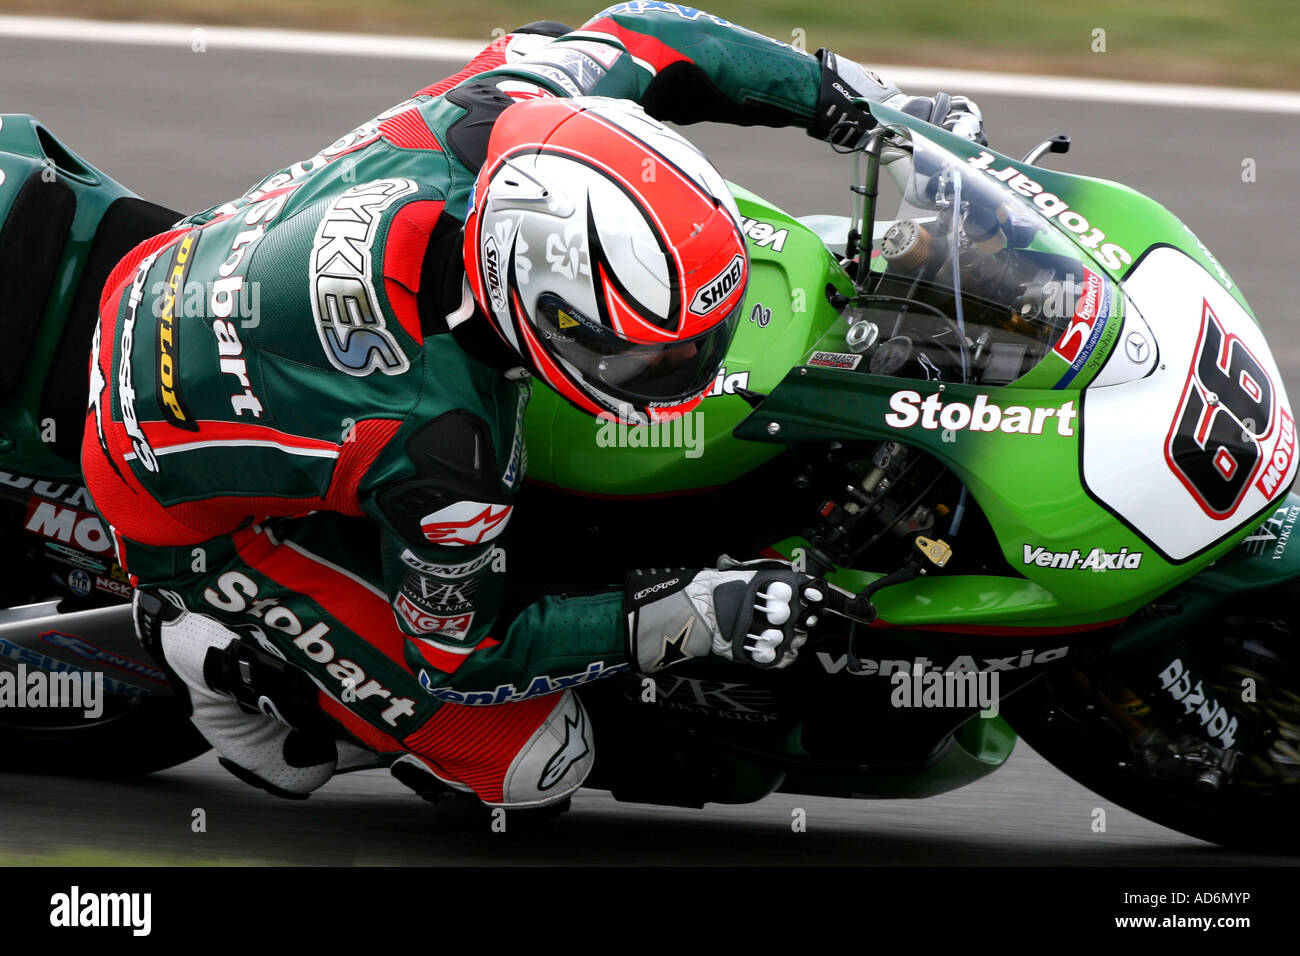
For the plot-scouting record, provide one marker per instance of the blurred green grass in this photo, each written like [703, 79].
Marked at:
[1250, 42]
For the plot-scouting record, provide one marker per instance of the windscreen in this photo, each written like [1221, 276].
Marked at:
[968, 282]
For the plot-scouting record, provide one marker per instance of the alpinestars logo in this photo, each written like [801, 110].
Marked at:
[719, 287]
[574, 748]
[140, 446]
[672, 650]
[465, 523]
[95, 405]
[344, 304]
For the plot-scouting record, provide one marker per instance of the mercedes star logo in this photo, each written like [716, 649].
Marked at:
[1136, 347]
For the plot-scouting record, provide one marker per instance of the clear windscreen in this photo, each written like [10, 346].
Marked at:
[968, 282]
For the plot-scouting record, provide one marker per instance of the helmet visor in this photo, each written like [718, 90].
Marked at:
[666, 373]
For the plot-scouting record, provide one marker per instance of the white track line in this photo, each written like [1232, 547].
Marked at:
[241, 38]
[215, 39]
[1110, 91]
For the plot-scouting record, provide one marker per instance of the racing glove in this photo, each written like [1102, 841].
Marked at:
[840, 122]
[755, 612]
[259, 712]
[956, 114]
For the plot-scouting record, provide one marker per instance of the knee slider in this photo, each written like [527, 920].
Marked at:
[555, 760]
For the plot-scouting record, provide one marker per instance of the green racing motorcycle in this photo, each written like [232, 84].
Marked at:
[1027, 425]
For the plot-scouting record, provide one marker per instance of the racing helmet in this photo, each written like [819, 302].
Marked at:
[608, 253]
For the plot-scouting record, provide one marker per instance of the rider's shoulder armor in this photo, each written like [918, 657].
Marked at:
[290, 317]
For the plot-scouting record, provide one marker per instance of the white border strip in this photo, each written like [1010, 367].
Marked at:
[241, 443]
[240, 38]
[1108, 91]
[433, 48]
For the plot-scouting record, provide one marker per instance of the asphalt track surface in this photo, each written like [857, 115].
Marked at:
[193, 129]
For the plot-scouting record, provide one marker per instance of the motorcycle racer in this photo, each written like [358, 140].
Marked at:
[310, 472]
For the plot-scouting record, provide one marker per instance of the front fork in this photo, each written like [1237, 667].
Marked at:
[1177, 725]
[1153, 674]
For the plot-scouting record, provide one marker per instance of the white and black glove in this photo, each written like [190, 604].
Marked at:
[957, 114]
[259, 712]
[755, 612]
[839, 121]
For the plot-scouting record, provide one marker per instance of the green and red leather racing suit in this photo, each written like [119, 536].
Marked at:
[285, 431]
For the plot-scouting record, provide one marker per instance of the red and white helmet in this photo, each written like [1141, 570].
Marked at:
[607, 251]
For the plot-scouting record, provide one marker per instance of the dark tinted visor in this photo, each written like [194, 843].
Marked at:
[668, 373]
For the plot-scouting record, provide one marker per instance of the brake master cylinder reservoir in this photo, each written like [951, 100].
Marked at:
[907, 245]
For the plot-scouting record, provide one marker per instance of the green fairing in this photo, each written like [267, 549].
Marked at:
[1052, 512]
[1265, 562]
[27, 149]
[569, 449]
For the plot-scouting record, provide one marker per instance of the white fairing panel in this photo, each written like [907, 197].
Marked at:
[1188, 453]
[1135, 351]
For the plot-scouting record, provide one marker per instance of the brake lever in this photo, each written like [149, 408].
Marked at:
[859, 608]
[836, 600]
